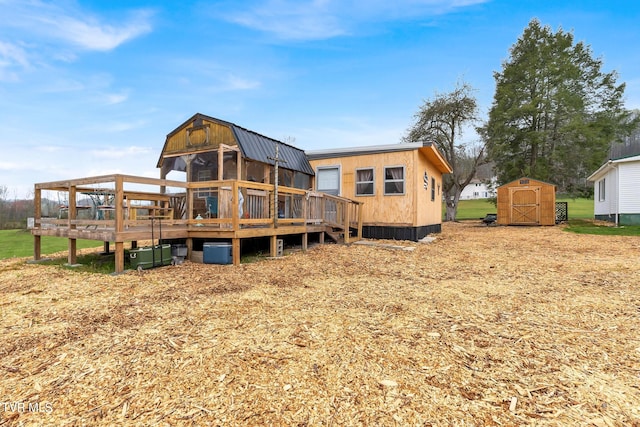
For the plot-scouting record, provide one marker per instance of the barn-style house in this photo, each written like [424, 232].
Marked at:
[236, 184]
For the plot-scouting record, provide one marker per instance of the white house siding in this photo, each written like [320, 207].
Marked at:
[476, 190]
[629, 174]
[608, 206]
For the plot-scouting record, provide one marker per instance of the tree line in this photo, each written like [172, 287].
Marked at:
[13, 211]
[556, 116]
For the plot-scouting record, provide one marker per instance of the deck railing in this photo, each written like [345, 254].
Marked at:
[122, 202]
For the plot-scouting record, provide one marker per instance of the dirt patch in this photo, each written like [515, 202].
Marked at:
[484, 326]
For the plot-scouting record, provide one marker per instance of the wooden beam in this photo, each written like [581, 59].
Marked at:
[37, 247]
[37, 207]
[359, 207]
[220, 163]
[235, 209]
[305, 241]
[119, 202]
[119, 257]
[273, 246]
[72, 257]
[346, 223]
[235, 251]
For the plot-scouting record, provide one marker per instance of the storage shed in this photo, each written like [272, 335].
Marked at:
[527, 201]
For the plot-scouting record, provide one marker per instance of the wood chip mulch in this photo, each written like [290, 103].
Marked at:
[483, 326]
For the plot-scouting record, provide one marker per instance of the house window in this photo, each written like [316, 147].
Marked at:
[602, 190]
[328, 180]
[394, 180]
[433, 189]
[364, 182]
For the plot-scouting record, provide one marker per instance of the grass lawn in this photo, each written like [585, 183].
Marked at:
[19, 243]
[582, 226]
[476, 209]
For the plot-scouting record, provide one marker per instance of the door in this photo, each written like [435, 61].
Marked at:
[525, 205]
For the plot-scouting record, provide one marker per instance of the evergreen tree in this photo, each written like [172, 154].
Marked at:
[555, 112]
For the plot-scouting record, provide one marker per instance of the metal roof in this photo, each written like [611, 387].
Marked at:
[428, 149]
[358, 151]
[255, 146]
[263, 149]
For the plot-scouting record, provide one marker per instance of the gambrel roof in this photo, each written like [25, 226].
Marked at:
[252, 145]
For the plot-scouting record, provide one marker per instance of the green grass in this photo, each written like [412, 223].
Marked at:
[91, 263]
[19, 243]
[583, 226]
[472, 209]
[476, 209]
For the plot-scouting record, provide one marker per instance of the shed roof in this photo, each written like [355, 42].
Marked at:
[519, 182]
[428, 149]
[255, 146]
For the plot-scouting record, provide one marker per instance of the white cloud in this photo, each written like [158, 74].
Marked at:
[63, 26]
[323, 19]
[12, 58]
[89, 33]
[116, 98]
[233, 82]
[130, 152]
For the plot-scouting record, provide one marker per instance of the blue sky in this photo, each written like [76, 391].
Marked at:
[93, 87]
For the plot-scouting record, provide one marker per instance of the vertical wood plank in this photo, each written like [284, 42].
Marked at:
[235, 251]
[37, 205]
[119, 257]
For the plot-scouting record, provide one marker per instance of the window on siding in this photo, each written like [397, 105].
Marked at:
[364, 182]
[328, 180]
[394, 180]
[433, 189]
[602, 185]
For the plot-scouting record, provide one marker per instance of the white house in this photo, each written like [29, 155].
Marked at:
[477, 189]
[616, 195]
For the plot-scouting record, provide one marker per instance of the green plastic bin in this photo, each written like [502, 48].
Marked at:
[150, 256]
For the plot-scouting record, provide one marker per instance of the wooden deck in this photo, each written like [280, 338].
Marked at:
[130, 209]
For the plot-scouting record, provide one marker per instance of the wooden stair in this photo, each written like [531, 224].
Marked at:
[336, 235]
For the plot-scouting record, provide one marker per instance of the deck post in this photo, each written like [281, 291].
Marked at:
[235, 202]
[119, 204]
[37, 247]
[72, 258]
[72, 255]
[359, 207]
[37, 206]
[119, 257]
[189, 243]
[346, 222]
[235, 250]
[305, 241]
[273, 246]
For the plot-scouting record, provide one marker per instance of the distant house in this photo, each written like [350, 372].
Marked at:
[477, 189]
[483, 185]
[616, 195]
[400, 186]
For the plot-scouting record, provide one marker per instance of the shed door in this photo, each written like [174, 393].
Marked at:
[525, 205]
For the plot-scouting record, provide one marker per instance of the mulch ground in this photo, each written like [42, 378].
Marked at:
[483, 326]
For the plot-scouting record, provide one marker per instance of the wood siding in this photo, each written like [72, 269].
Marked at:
[527, 201]
[413, 208]
[190, 138]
